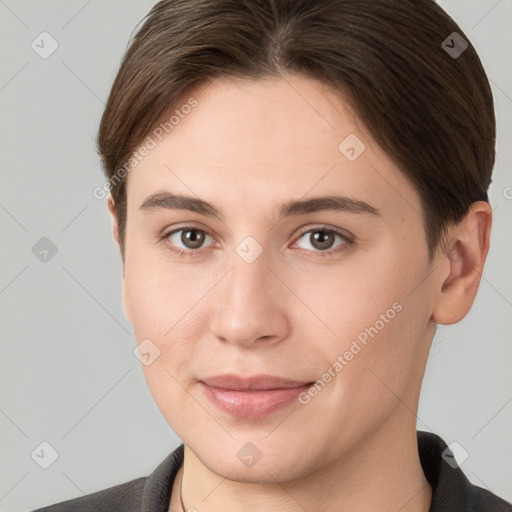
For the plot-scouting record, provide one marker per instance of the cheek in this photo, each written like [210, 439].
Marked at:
[377, 326]
[160, 298]
[165, 308]
[353, 299]
[369, 366]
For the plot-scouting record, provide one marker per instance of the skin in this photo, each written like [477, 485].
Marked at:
[247, 148]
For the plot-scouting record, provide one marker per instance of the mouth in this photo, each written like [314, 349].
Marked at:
[251, 397]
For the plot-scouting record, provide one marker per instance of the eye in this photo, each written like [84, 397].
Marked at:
[189, 240]
[186, 240]
[323, 239]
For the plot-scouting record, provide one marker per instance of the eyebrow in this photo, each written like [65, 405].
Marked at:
[170, 201]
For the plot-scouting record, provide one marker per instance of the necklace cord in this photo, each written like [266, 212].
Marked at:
[181, 492]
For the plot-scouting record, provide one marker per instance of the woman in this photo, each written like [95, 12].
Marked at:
[299, 194]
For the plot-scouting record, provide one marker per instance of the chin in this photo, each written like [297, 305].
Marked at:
[259, 461]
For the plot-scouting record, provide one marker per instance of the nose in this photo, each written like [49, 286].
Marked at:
[251, 305]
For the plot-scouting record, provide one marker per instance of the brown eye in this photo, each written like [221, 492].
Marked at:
[187, 239]
[192, 238]
[323, 240]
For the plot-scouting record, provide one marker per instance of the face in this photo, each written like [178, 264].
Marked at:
[263, 277]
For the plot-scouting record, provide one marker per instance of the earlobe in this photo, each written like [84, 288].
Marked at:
[464, 256]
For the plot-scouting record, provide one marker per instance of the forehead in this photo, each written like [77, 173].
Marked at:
[254, 142]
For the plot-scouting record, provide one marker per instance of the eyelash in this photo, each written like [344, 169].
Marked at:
[348, 241]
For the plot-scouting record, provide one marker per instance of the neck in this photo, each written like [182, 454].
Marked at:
[382, 473]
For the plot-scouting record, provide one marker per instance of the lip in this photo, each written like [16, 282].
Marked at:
[251, 397]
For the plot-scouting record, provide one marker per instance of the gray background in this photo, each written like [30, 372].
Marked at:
[68, 374]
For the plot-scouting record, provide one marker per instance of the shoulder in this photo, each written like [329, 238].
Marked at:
[125, 497]
[451, 489]
[482, 499]
[145, 493]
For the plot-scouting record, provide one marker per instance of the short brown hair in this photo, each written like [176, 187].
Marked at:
[431, 111]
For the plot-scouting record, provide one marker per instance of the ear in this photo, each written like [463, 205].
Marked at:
[115, 224]
[113, 214]
[463, 257]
